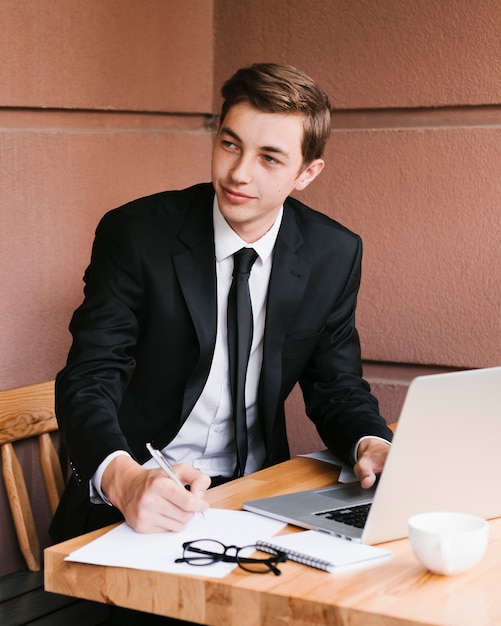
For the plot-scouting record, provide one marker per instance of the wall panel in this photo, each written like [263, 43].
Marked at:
[372, 53]
[153, 55]
[426, 203]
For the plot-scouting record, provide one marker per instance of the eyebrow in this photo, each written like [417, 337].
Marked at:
[273, 149]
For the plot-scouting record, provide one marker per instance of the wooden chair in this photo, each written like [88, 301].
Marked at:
[29, 412]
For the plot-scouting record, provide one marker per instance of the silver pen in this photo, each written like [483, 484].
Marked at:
[166, 466]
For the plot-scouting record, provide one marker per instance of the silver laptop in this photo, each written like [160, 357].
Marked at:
[444, 457]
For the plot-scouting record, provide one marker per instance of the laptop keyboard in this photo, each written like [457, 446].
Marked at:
[352, 516]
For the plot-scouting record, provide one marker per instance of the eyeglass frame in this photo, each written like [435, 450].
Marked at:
[216, 557]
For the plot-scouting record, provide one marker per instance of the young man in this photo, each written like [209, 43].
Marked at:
[149, 360]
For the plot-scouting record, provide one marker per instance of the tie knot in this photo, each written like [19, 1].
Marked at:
[244, 260]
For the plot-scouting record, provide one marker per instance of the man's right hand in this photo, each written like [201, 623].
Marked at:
[149, 500]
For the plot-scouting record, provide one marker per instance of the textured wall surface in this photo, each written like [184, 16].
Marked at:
[426, 202]
[122, 55]
[372, 54]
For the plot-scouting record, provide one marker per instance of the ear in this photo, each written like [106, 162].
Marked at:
[309, 174]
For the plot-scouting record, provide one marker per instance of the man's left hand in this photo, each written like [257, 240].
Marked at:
[372, 455]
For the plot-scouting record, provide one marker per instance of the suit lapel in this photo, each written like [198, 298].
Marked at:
[196, 272]
[288, 281]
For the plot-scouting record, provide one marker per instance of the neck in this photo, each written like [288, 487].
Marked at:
[253, 230]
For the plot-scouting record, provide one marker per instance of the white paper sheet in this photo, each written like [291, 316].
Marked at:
[123, 547]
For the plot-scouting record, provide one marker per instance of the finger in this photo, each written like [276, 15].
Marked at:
[163, 506]
[368, 480]
[188, 475]
[190, 500]
[173, 520]
[160, 495]
[179, 497]
[365, 473]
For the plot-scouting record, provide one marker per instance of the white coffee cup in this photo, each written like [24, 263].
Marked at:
[448, 543]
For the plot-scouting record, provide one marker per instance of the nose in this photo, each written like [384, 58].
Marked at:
[241, 172]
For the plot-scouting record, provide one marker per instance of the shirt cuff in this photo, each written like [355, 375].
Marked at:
[96, 494]
[355, 451]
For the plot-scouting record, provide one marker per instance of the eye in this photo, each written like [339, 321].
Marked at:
[228, 145]
[269, 159]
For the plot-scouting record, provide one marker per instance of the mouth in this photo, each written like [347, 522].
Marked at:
[235, 197]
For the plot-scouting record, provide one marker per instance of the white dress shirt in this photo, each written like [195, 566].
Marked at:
[206, 440]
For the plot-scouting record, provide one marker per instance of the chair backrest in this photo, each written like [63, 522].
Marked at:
[29, 412]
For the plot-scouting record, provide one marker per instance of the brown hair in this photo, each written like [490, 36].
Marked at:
[274, 88]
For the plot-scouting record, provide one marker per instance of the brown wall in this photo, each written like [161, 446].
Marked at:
[101, 102]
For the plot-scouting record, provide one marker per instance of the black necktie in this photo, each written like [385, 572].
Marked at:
[240, 329]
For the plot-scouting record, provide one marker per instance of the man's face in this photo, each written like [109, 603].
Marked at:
[257, 162]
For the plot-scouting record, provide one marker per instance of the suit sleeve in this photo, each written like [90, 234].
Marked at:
[337, 399]
[101, 359]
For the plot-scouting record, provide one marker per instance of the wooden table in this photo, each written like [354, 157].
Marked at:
[399, 592]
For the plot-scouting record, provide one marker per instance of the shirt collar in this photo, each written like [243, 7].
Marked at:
[227, 242]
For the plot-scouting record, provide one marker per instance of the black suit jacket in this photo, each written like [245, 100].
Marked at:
[144, 336]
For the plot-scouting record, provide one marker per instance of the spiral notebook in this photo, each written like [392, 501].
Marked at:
[324, 551]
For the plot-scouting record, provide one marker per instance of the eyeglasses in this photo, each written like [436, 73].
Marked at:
[208, 551]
